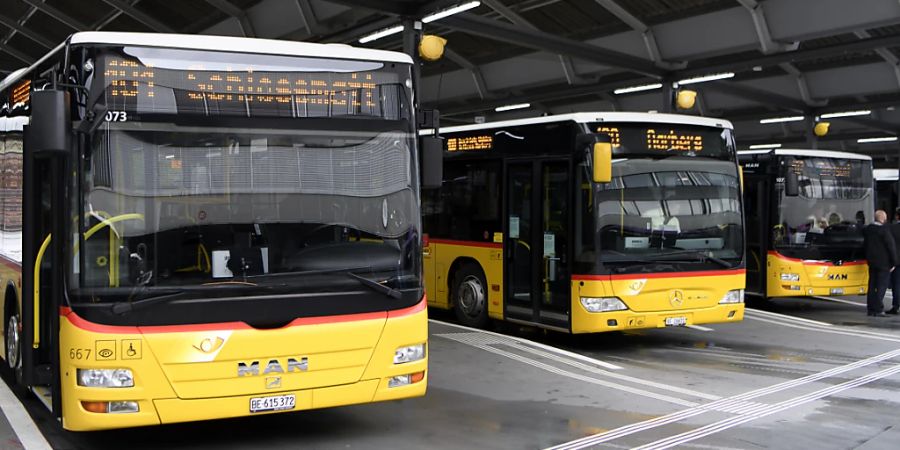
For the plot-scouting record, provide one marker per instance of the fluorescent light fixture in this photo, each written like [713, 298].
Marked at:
[380, 34]
[705, 78]
[782, 119]
[641, 88]
[512, 107]
[876, 139]
[449, 12]
[835, 115]
[762, 146]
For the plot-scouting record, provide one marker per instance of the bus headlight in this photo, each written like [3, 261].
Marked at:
[105, 378]
[790, 277]
[602, 304]
[733, 296]
[409, 353]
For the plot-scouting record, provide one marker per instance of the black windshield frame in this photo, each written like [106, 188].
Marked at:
[316, 296]
[825, 221]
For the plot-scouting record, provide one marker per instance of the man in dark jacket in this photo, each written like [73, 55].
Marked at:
[881, 254]
[895, 275]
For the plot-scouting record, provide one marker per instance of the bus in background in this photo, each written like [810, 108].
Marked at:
[587, 222]
[199, 227]
[886, 190]
[805, 213]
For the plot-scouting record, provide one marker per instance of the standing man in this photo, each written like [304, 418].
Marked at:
[895, 275]
[881, 253]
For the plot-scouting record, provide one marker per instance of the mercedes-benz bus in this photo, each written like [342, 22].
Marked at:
[805, 214]
[588, 222]
[199, 227]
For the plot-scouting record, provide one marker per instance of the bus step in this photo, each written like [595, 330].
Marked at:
[44, 394]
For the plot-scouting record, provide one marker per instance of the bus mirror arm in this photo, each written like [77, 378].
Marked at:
[93, 119]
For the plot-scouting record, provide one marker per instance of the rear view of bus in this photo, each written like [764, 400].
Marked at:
[805, 214]
[243, 231]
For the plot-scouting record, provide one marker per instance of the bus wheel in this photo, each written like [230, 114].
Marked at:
[470, 296]
[13, 343]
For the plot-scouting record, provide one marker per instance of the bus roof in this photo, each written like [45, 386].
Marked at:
[586, 117]
[239, 44]
[222, 43]
[807, 152]
[886, 174]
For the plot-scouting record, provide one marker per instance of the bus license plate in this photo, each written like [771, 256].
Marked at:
[273, 403]
[676, 321]
[837, 291]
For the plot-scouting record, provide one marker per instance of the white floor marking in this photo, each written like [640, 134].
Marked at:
[718, 405]
[786, 317]
[698, 327]
[840, 300]
[548, 348]
[472, 339]
[767, 410]
[25, 429]
[553, 369]
[832, 330]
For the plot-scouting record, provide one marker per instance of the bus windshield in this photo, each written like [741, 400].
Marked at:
[674, 214]
[264, 174]
[824, 222]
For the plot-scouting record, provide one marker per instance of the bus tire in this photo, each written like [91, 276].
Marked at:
[13, 351]
[470, 296]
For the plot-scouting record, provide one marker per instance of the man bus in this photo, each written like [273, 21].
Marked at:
[200, 227]
[805, 214]
[588, 222]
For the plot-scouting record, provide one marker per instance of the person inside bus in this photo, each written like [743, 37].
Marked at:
[663, 228]
[881, 253]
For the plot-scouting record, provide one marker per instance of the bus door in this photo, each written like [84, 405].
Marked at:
[43, 211]
[756, 215]
[536, 247]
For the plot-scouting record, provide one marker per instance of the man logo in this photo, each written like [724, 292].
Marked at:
[837, 276]
[273, 366]
[273, 382]
[676, 298]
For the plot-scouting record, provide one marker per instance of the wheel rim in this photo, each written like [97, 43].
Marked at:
[471, 296]
[12, 342]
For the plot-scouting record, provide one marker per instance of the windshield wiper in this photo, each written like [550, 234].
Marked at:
[131, 305]
[376, 286]
[703, 257]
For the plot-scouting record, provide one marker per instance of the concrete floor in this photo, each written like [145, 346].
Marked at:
[797, 373]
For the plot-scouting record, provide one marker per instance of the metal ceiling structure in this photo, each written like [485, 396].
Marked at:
[790, 57]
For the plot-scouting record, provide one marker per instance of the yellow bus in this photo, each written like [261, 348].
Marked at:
[199, 227]
[524, 229]
[805, 213]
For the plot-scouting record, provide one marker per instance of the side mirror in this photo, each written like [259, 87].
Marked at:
[432, 161]
[791, 184]
[49, 131]
[602, 162]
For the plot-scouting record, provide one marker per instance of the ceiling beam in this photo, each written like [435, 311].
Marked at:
[57, 14]
[140, 16]
[695, 69]
[567, 64]
[539, 40]
[477, 76]
[228, 8]
[12, 24]
[636, 24]
[17, 54]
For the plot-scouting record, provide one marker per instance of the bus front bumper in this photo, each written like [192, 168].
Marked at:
[585, 322]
